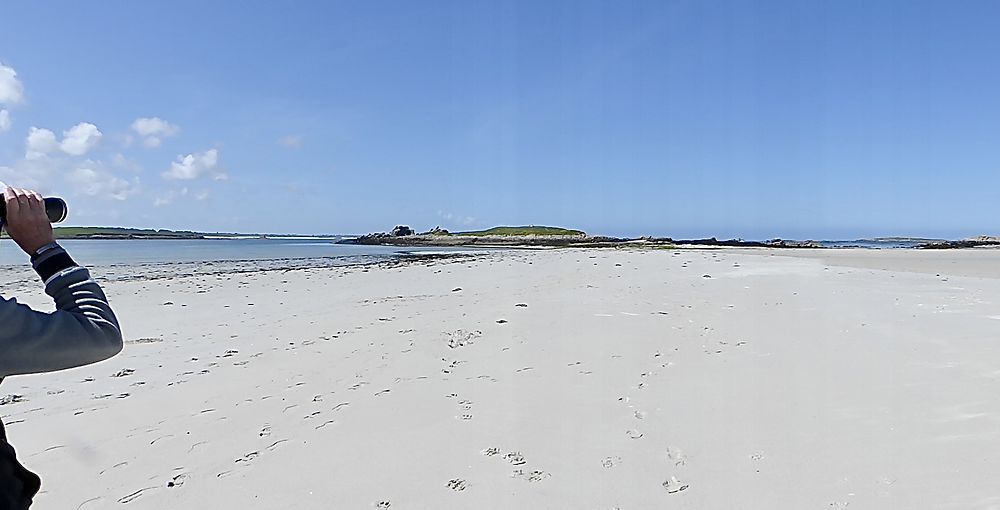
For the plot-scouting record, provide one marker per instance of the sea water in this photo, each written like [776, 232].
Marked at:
[104, 252]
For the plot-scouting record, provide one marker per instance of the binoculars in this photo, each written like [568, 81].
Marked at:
[55, 209]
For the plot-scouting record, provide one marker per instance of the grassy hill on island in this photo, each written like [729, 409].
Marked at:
[523, 231]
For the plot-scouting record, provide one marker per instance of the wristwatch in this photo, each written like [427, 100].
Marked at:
[43, 249]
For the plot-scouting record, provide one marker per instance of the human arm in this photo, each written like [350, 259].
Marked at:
[82, 330]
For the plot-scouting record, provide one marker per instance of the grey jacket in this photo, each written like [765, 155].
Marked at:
[82, 330]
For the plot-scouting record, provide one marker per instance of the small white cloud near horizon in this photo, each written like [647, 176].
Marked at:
[80, 139]
[165, 199]
[4, 120]
[152, 130]
[168, 197]
[192, 166]
[464, 221]
[91, 180]
[11, 89]
[291, 141]
[39, 143]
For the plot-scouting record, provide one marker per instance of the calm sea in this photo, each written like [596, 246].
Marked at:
[93, 252]
[136, 251]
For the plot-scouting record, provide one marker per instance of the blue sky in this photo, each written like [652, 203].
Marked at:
[732, 119]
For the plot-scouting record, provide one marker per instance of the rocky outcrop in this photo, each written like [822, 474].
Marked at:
[401, 230]
[740, 243]
[972, 242]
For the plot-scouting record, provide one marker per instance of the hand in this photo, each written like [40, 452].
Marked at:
[27, 223]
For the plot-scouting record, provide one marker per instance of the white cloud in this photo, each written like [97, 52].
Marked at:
[291, 141]
[79, 139]
[193, 166]
[169, 197]
[4, 120]
[165, 199]
[11, 90]
[153, 130]
[119, 160]
[40, 142]
[202, 195]
[92, 180]
[32, 174]
[457, 219]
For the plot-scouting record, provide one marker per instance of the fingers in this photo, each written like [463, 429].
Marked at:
[10, 197]
[21, 200]
[35, 201]
[22, 196]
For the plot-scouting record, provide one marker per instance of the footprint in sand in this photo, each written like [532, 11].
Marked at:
[11, 399]
[675, 455]
[462, 338]
[530, 476]
[457, 484]
[177, 481]
[515, 458]
[633, 434]
[489, 452]
[610, 462]
[248, 457]
[673, 485]
[382, 505]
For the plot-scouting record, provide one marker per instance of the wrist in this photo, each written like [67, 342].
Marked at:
[51, 262]
[38, 252]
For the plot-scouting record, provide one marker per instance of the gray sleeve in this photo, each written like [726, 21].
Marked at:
[82, 330]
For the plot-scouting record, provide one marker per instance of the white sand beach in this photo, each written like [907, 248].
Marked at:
[552, 379]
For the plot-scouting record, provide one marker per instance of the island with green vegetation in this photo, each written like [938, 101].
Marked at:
[523, 231]
[529, 235]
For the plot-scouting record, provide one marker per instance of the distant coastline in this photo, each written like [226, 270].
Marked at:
[142, 233]
[526, 236]
[542, 236]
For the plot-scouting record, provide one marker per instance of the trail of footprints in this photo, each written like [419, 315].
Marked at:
[517, 460]
[464, 406]
[454, 340]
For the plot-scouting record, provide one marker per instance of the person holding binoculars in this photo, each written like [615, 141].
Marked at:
[82, 330]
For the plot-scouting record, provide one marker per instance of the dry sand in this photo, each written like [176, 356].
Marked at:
[695, 379]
